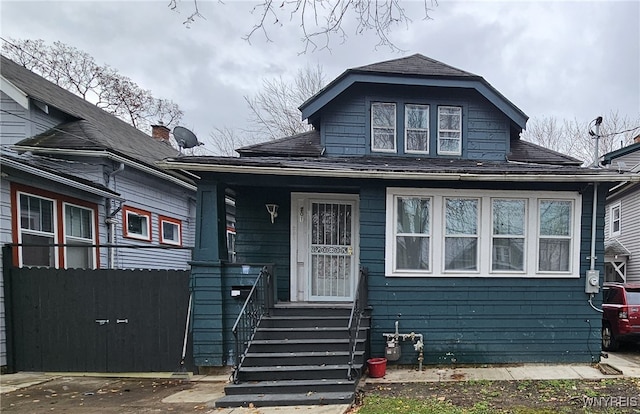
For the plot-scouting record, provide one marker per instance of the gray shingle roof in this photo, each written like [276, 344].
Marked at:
[524, 151]
[93, 128]
[52, 166]
[306, 144]
[417, 64]
[345, 166]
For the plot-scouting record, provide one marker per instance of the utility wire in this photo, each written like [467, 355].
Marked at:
[620, 132]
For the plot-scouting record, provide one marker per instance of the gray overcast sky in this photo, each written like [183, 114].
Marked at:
[568, 59]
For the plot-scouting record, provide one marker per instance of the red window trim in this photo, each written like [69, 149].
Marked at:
[59, 200]
[125, 227]
[171, 220]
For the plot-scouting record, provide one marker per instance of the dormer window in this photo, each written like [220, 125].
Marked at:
[449, 130]
[416, 128]
[383, 127]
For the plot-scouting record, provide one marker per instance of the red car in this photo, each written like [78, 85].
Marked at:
[621, 317]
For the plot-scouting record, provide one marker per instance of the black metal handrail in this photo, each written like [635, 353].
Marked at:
[357, 310]
[258, 303]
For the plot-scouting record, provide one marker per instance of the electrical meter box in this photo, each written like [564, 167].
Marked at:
[592, 282]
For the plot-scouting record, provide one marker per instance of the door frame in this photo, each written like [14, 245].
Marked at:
[300, 275]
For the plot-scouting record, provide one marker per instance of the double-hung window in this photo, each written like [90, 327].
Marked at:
[53, 230]
[614, 220]
[38, 231]
[416, 128]
[508, 234]
[137, 223]
[555, 229]
[79, 231]
[461, 234]
[450, 130]
[482, 233]
[383, 127]
[413, 233]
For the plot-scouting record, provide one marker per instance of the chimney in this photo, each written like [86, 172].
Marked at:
[160, 132]
[637, 139]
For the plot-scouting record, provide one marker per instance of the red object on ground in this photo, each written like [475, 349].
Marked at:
[377, 367]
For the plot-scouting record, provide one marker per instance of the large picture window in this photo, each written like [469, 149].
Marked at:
[485, 233]
[383, 127]
[450, 130]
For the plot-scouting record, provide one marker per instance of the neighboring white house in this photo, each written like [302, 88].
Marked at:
[75, 174]
[622, 225]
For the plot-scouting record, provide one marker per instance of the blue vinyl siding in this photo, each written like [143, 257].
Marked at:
[345, 127]
[260, 241]
[480, 320]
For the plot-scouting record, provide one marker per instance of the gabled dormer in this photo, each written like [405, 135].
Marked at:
[413, 107]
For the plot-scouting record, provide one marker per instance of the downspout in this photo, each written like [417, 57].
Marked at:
[111, 230]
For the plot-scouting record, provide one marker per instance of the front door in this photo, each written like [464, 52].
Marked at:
[324, 246]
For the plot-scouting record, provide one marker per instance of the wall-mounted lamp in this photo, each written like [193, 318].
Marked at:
[273, 211]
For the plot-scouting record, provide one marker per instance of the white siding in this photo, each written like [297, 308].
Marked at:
[630, 232]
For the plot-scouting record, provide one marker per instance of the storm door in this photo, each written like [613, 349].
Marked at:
[325, 245]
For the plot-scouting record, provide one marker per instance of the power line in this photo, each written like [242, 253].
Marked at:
[620, 132]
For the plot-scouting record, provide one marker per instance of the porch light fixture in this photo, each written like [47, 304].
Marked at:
[273, 211]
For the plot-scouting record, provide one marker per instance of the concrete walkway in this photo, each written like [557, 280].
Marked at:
[208, 388]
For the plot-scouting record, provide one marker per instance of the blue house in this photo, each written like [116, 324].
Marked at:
[412, 222]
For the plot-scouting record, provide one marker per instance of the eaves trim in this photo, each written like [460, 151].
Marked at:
[112, 156]
[399, 175]
[59, 179]
[308, 109]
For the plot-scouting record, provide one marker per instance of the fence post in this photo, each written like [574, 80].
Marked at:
[7, 264]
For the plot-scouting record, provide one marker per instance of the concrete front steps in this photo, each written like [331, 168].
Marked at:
[299, 356]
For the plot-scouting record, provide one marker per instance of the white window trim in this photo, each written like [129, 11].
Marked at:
[395, 127]
[524, 236]
[71, 239]
[54, 224]
[440, 151]
[617, 206]
[406, 129]
[485, 232]
[429, 234]
[139, 213]
[175, 222]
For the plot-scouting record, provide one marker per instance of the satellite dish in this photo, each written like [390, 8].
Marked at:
[185, 138]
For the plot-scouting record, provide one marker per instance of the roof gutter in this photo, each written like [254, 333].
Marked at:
[392, 175]
[62, 180]
[112, 156]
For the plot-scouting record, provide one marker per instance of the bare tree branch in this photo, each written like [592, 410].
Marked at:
[573, 138]
[322, 20]
[77, 72]
[274, 110]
